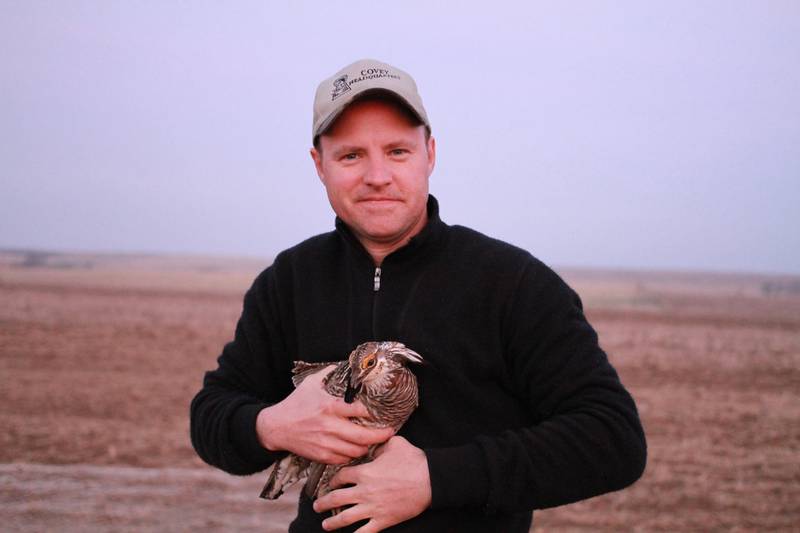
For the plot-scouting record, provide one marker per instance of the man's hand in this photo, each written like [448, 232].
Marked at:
[313, 424]
[393, 488]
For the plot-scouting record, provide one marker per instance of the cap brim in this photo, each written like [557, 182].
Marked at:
[352, 98]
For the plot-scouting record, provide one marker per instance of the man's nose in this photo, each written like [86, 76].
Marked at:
[378, 173]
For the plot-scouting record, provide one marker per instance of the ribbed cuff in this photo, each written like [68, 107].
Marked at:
[459, 476]
[244, 437]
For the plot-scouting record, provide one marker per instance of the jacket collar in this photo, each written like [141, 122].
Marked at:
[427, 237]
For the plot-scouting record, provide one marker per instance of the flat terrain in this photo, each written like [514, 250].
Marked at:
[101, 355]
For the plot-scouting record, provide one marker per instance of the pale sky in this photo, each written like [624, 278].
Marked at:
[641, 135]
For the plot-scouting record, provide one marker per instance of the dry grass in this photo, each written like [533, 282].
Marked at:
[100, 356]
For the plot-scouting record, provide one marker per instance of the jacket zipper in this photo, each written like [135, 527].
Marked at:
[376, 286]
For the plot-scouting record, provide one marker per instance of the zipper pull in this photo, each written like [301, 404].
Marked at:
[376, 281]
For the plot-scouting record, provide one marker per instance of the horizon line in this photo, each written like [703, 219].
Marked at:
[21, 250]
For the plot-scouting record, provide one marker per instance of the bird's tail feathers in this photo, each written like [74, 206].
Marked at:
[312, 483]
[283, 474]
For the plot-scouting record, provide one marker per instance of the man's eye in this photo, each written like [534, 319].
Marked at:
[399, 151]
[350, 156]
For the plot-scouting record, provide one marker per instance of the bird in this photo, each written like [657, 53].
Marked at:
[376, 374]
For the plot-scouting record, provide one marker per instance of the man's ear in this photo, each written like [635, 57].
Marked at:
[431, 146]
[317, 157]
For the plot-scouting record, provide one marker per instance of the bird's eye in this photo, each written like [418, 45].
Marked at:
[369, 362]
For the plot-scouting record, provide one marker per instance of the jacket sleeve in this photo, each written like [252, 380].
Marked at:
[247, 379]
[586, 437]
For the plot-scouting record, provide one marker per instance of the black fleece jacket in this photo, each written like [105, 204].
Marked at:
[519, 407]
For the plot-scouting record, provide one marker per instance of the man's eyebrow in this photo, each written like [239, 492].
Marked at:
[345, 149]
[400, 143]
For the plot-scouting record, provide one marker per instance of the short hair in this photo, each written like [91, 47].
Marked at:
[386, 98]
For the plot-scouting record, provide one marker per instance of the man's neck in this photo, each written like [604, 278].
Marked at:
[380, 250]
[378, 253]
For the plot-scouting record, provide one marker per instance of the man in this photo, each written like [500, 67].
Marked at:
[519, 407]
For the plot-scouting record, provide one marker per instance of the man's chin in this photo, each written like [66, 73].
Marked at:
[379, 234]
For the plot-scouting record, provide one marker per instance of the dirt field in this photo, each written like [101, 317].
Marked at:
[100, 356]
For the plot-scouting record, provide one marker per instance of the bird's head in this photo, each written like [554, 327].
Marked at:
[372, 365]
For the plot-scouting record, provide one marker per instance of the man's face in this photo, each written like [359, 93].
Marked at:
[375, 166]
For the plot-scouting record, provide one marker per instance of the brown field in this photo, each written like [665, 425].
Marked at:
[100, 356]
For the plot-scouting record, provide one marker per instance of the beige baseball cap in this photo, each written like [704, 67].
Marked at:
[367, 75]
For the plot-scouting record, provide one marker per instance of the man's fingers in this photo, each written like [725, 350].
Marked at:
[353, 451]
[336, 498]
[370, 527]
[331, 458]
[392, 444]
[360, 435]
[351, 410]
[345, 476]
[343, 451]
[346, 517]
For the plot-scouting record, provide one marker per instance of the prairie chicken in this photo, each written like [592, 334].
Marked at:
[375, 373]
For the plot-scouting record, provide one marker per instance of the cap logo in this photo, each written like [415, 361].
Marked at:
[340, 86]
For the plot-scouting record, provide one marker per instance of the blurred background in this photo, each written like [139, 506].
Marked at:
[154, 158]
[602, 134]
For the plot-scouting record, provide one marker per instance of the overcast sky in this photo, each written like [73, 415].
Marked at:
[655, 135]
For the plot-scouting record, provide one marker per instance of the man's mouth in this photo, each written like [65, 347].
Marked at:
[379, 199]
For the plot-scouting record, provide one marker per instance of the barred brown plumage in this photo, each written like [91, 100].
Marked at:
[375, 373]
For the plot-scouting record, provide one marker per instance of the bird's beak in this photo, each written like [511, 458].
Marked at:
[350, 392]
[352, 388]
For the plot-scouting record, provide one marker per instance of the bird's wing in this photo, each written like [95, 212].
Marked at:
[302, 370]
